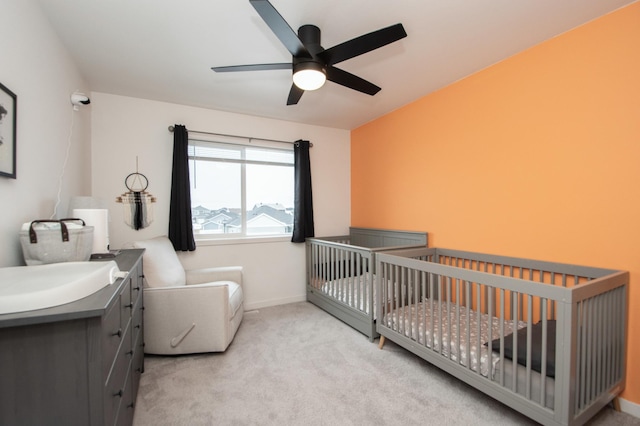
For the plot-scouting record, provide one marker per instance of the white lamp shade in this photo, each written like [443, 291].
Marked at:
[309, 79]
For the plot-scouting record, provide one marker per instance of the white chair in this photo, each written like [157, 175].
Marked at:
[188, 311]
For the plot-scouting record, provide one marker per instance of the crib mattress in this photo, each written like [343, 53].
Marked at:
[352, 291]
[435, 325]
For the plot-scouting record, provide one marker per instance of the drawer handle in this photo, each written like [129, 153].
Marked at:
[119, 393]
[130, 305]
[137, 326]
[130, 352]
[118, 333]
[137, 288]
[130, 405]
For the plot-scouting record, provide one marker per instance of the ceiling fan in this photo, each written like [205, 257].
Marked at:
[312, 65]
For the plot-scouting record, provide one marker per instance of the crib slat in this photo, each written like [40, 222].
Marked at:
[357, 297]
[514, 340]
[582, 334]
[588, 306]
[424, 286]
[440, 326]
[599, 380]
[490, 294]
[448, 321]
[479, 333]
[431, 310]
[608, 332]
[543, 357]
[386, 297]
[340, 270]
[553, 302]
[332, 270]
[459, 333]
[529, 344]
[406, 284]
[502, 321]
[619, 325]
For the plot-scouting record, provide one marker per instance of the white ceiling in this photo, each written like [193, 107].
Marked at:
[164, 49]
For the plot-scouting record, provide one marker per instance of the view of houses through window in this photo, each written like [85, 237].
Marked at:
[240, 190]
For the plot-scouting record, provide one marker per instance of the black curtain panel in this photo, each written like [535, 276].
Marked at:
[303, 201]
[180, 225]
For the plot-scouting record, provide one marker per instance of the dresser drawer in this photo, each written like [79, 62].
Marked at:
[126, 306]
[137, 366]
[127, 405]
[112, 333]
[136, 284]
[116, 382]
[136, 288]
[136, 321]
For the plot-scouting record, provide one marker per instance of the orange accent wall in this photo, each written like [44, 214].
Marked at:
[537, 156]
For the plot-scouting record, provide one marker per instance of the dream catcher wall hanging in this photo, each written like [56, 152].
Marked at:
[137, 203]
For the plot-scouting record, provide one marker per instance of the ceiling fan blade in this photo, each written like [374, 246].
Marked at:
[362, 44]
[254, 67]
[280, 28]
[294, 95]
[351, 81]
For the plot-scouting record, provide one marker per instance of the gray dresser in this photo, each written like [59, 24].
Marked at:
[79, 363]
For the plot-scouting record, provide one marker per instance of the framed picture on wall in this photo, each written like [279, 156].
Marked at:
[8, 101]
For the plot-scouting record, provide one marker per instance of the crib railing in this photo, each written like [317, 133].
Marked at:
[334, 268]
[579, 311]
[344, 271]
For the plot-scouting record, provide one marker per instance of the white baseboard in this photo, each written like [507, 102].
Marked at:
[274, 302]
[629, 407]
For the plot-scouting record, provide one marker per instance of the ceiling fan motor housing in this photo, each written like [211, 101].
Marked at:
[309, 36]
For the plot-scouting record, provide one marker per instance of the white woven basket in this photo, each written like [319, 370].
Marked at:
[55, 241]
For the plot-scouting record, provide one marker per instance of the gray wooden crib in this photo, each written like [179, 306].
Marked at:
[340, 272]
[546, 339]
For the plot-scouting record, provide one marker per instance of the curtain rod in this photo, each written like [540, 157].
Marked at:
[238, 136]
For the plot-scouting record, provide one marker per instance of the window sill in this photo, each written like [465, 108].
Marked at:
[241, 240]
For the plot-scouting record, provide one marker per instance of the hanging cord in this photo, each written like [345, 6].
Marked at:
[64, 165]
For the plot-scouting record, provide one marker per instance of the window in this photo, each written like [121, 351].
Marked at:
[240, 190]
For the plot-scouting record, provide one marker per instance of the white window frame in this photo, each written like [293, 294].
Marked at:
[241, 236]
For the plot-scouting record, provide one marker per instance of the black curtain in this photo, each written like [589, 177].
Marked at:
[180, 225]
[303, 201]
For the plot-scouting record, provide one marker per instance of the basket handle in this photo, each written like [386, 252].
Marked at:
[63, 229]
[69, 219]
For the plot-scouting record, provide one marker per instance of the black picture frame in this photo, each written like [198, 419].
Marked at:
[8, 120]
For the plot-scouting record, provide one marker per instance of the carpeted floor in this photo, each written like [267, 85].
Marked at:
[297, 365]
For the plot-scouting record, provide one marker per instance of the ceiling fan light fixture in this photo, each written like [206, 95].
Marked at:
[309, 75]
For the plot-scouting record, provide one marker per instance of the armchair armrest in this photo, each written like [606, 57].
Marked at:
[208, 275]
[186, 319]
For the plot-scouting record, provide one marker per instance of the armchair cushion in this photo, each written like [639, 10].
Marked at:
[162, 268]
[218, 273]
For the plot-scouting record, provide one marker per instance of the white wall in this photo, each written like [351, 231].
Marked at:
[123, 128]
[37, 68]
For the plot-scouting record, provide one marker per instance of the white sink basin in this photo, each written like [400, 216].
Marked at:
[26, 288]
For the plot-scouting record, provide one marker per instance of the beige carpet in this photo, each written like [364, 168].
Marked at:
[297, 365]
